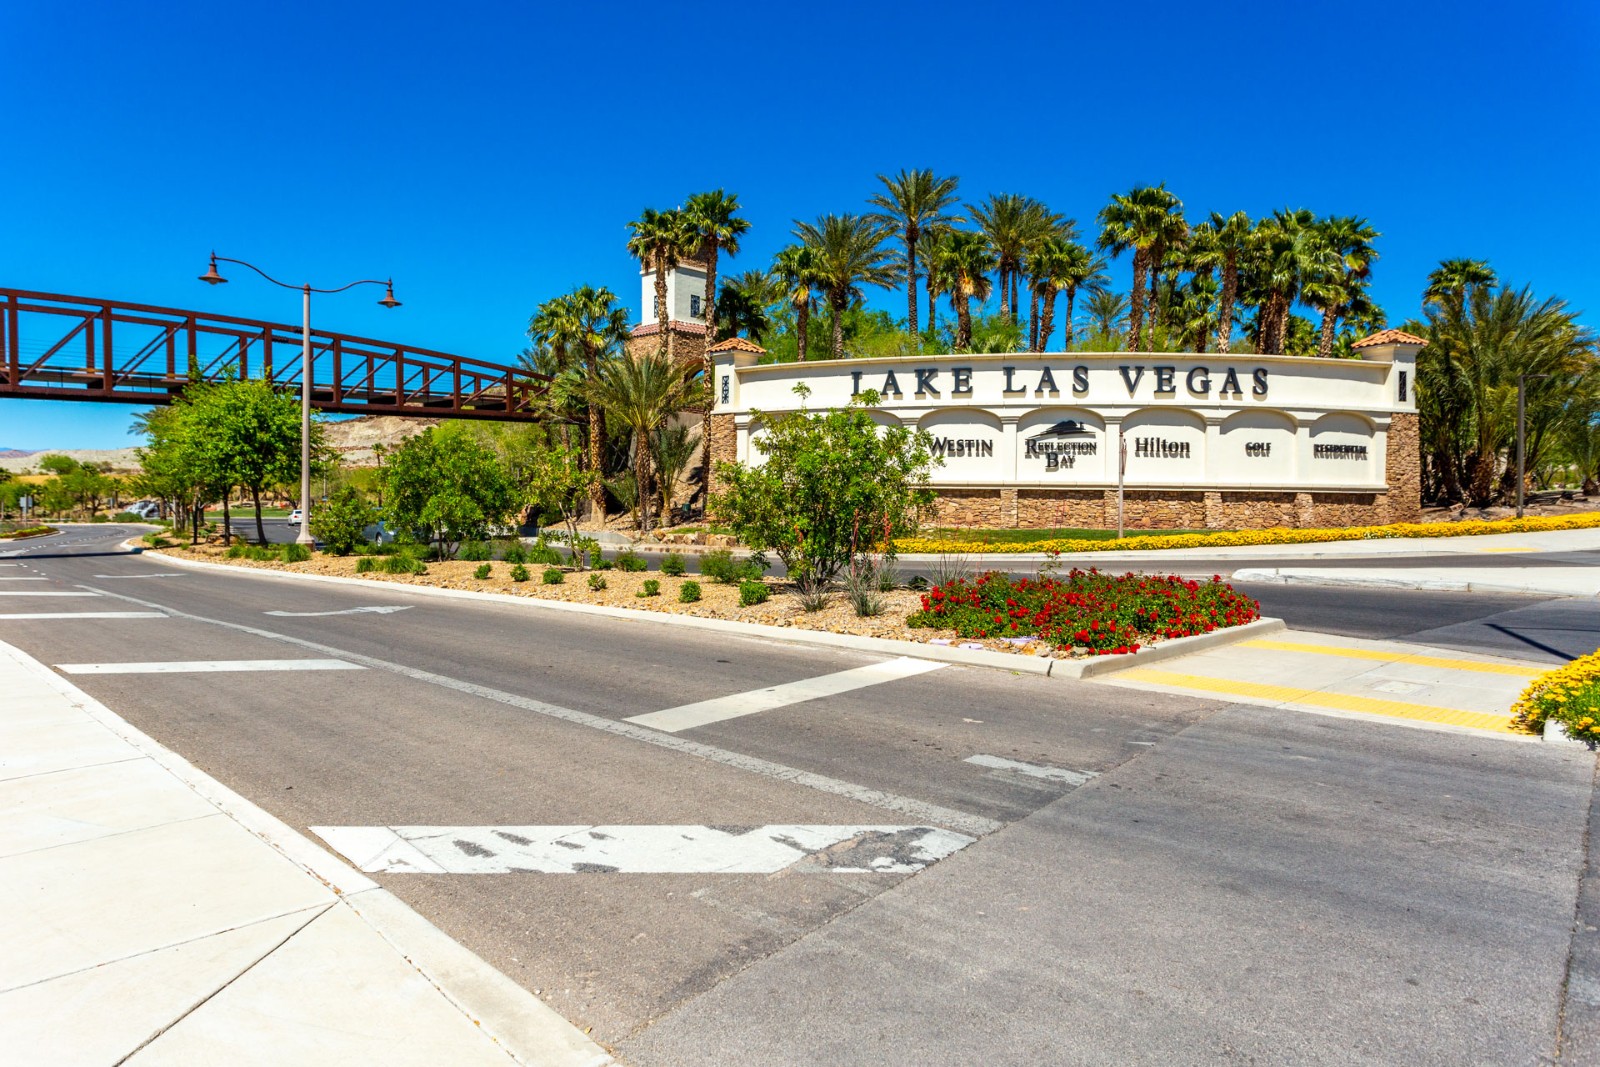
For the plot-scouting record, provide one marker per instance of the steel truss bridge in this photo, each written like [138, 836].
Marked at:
[55, 347]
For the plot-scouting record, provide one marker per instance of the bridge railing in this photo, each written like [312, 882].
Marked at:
[54, 346]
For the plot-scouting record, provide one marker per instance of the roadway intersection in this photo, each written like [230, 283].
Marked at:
[885, 864]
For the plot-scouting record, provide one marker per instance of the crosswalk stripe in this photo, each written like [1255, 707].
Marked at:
[85, 615]
[30, 592]
[1346, 652]
[641, 849]
[202, 666]
[1283, 694]
[1032, 770]
[21, 578]
[688, 716]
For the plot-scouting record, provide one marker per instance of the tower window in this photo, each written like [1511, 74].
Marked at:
[694, 306]
[1402, 387]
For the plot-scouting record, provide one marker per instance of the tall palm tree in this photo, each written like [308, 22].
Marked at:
[911, 202]
[1343, 263]
[1108, 311]
[584, 326]
[1080, 270]
[641, 394]
[928, 249]
[660, 240]
[795, 269]
[1219, 243]
[848, 254]
[743, 303]
[963, 262]
[1452, 279]
[1146, 220]
[1285, 251]
[1010, 223]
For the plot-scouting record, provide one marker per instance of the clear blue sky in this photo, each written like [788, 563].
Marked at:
[488, 156]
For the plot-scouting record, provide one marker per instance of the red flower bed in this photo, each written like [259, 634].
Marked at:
[1102, 613]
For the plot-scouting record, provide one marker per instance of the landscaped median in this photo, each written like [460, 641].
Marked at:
[28, 531]
[1249, 538]
[1568, 695]
[1078, 616]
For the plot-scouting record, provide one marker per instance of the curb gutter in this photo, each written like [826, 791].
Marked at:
[1286, 576]
[971, 657]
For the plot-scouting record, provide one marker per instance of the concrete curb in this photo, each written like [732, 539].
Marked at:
[1284, 576]
[971, 657]
[529, 1030]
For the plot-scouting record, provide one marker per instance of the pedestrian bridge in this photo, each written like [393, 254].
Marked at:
[56, 347]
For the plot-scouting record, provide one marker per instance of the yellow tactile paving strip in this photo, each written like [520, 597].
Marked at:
[1398, 657]
[1283, 694]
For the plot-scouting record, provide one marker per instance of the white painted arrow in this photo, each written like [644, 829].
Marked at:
[346, 611]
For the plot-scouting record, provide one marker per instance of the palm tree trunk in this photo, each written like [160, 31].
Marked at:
[933, 295]
[709, 369]
[1136, 301]
[1047, 321]
[911, 280]
[1230, 286]
[1005, 296]
[661, 310]
[1482, 465]
[1034, 340]
[1325, 344]
[641, 468]
[597, 441]
[838, 302]
[963, 321]
[802, 320]
[1066, 327]
[1016, 304]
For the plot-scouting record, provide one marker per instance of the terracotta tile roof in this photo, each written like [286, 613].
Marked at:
[738, 344]
[653, 328]
[1390, 337]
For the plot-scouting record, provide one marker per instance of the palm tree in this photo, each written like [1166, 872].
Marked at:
[848, 254]
[1079, 269]
[1220, 242]
[641, 394]
[1108, 311]
[1343, 263]
[929, 241]
[911, 202]
[674, 447]
[1452, 279]
[660, 240]
[1284, 252]
[1147, 219]
[714, 220]
[963, 262]
[1010, 223]
[579, 330]
[1194, 311]
[743, 303]
[795, 269]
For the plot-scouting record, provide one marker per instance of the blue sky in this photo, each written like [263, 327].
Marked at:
[489, 156]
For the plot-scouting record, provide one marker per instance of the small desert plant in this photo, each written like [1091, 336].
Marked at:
[365, 564]
[402, 564]
[516, 554]
[295, 553]
[753, 592]
[597, 582]
[475, 551]
[951, 568]
[554, 576]
[718, 566]
[672, 565]
[519, 573]
[861, 589]
[482, 571]
[652, 587]
[688, 592]
[631, 561]
[812, 593]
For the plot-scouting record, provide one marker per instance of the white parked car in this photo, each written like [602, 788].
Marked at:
[295, 517]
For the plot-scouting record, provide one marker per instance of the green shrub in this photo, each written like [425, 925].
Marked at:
[481, 571]
[294, 553]
[718, 566]
[341, 523]
[554, 576]
[475, 552]
[235, 550]
[597, 582]
[519, 573]
[601, 564]
[672, 565]
[652, 587]
[99, 518]
[516, 554]
[403, 563]
[631, 561]
[688, 592]
[128, 516]
[753, 592]
[546, 553]
[365, 564]
[153, 539]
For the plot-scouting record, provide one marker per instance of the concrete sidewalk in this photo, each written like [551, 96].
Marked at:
[151, 916]
[1546, 581]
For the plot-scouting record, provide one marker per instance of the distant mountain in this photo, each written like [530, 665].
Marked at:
[15, 453]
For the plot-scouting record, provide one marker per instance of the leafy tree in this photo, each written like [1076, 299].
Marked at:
[57, 464]
[911, 202]
[834, 486]
[446, 483]
[848, 255]
[641, 394]
[249, 433]
[341, 523]
[174, 466]
[554, 480]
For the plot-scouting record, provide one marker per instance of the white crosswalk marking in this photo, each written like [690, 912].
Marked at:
[719, 709]
[641, 849]
[85, 615]
[21, 578]
[1032, 770]
[30, 592]
[201, 666]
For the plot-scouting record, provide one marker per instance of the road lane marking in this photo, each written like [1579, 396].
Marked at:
[19, 578]
[642, 849]
[1510, 548]
[1032, 770]
[1398, 657]
[86, 615]
[1283, 694]
[920, 810]
[161, 574]
[15, 592]
[346, 611]
[688, 716]
[202, 666]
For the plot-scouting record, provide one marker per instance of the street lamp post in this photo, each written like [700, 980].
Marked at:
[1522, 390]
[211, 277]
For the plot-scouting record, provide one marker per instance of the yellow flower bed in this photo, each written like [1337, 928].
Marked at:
[1275, 536]
[1569, 694]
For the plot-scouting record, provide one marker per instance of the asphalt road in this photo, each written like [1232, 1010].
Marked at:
[1235, 885]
